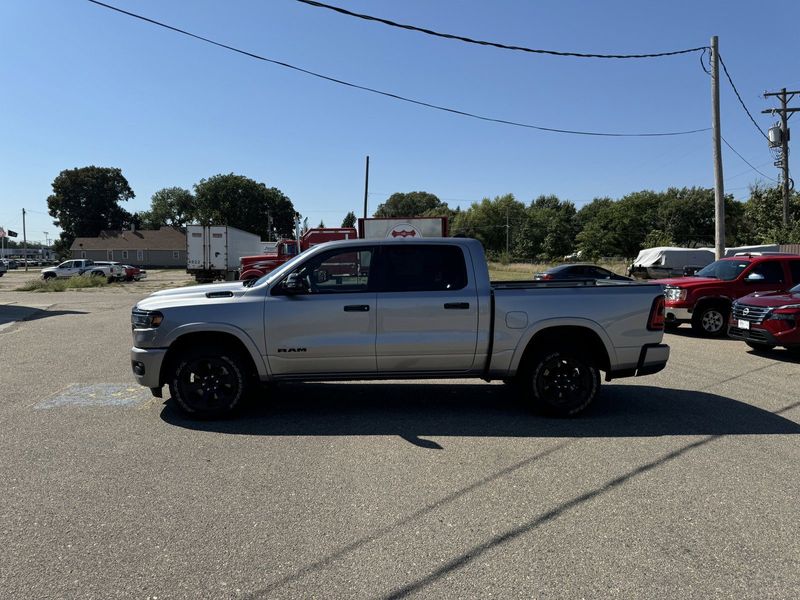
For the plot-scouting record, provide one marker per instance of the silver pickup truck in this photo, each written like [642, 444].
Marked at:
[393, 309]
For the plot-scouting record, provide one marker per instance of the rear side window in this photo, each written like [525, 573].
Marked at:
[422, 268]
[794, 268]
[771, 271]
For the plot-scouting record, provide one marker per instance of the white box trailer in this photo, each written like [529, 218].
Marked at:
[402, 227]
[213, 251]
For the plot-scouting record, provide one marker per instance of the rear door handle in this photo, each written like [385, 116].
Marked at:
[456, 305]
[356, 308]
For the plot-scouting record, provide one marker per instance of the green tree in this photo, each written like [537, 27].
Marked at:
[349, 220]
[491, 221]
[171, 207]
[85, 201]
[410, 204]
[239, 201]
[763, 215]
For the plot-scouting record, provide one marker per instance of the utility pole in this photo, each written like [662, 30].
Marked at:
[507, 232]
[716, 134]
[785, 112]
[24, 239]
[366, 187]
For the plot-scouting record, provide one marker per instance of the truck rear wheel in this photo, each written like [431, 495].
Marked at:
[710, 320]
[560, 383]
[208, 382]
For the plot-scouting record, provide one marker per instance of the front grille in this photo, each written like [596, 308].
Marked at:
[746, 312]
[755, 335]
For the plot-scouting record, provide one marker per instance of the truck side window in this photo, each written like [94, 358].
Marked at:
[422, 268]
[794, 267]
[771, 270]
[338, 271]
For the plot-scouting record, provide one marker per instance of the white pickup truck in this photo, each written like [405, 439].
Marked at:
[394, 309]
[83, 266]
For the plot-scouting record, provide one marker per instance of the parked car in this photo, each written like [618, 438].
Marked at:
[3, 268]
[11, 263]
[763, 321]
[117, 270]
[705, 298]
[579, 271]
[133, 273]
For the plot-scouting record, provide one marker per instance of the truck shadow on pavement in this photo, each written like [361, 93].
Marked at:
[418, 410]
[11, 313]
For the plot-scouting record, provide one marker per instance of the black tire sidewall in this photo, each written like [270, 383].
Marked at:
[233, 362]
[697, 321]
[531, 377]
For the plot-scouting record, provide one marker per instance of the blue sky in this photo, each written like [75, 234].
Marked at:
[84, 85]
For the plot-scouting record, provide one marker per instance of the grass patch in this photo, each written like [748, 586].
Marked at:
[61, 285]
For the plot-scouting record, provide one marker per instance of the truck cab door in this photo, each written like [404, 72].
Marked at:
[320, 318]
[427, 309]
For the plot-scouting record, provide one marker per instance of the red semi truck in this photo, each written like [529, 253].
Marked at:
[253, 267]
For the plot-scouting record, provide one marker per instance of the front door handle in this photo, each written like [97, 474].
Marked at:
[456, 305]
[356, 308]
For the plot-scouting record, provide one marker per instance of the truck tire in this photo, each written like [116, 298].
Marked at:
[208, 382]
[710, 320]
[560, 383]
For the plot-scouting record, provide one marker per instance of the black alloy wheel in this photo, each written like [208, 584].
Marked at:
[562, 383]
[209, 383]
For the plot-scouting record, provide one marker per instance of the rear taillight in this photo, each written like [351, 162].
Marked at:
[655, 321]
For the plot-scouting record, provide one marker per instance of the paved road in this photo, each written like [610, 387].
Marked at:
[679, 485]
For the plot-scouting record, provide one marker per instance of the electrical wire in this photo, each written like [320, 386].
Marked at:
[728, 75]
[390, 94]
[468, 40]
[746, 161]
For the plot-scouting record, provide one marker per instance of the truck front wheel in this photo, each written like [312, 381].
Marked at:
[710, 320]
[560, 383]
[208, 382]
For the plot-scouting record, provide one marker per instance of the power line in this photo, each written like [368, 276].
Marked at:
[468, 40]
[728, 75]
[746, 161]
[389, 94]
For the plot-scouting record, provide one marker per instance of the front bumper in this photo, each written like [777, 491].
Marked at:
[673, 314]
[146, 365]
[757, 335]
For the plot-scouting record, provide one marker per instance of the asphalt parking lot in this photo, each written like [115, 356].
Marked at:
[678, 485]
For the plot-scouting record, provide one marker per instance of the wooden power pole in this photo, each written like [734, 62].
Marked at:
[716, 134]
[782, 139]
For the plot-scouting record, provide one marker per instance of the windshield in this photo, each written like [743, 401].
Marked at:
[726, 270]
[277, 273]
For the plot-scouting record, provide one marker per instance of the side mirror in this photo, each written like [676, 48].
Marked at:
[294, 284]
[322, 276]
[754, 278]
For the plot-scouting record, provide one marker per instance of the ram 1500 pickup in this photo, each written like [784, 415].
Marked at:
[394, 309]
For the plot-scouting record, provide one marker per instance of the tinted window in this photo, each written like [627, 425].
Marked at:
[794, 267]
[422, 268]
[771, 271]
[337, 271]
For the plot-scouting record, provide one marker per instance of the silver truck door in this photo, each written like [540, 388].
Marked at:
[427, 309]
[328, 325]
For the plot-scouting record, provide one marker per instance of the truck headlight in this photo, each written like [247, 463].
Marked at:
[674, 294]
[145, 319]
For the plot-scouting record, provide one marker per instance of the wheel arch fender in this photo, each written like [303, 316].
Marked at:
[222, 334]
[591, 334]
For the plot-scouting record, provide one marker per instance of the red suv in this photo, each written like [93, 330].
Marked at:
[705, 298]
[764, 321]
